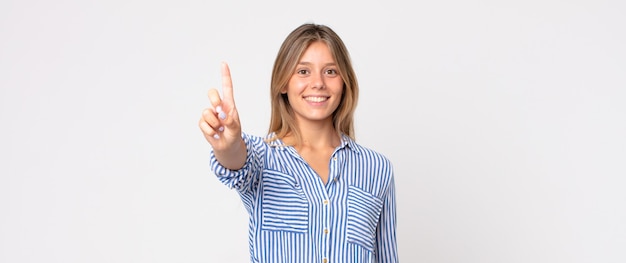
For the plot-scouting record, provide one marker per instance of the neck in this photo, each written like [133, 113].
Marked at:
[316, 136]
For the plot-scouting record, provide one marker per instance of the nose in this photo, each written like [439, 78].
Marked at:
[317, 81]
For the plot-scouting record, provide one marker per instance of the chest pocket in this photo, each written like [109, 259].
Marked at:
[364, 211]
[284, 205]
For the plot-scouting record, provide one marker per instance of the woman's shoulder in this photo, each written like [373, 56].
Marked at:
[247, 137]
[268, 140]
[367, 152]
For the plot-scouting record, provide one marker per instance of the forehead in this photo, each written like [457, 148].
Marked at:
[317, 51]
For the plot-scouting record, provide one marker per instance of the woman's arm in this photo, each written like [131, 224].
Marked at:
[386, 243]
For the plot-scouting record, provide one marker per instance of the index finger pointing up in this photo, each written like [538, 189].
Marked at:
[227, 85]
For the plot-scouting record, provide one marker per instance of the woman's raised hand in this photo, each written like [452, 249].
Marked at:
[221, 127]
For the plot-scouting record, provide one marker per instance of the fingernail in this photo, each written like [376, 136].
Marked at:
[220, 113]
[221, 129]
[216, 136]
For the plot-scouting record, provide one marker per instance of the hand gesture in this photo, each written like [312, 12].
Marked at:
[220, 124]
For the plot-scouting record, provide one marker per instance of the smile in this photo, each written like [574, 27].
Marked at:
[316, 99]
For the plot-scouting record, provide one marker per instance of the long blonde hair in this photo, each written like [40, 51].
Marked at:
[282, 120]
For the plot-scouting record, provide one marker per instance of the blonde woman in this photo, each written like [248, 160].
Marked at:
[312, 193]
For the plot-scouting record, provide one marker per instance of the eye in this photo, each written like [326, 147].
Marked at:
[302, 71]
[331, 72]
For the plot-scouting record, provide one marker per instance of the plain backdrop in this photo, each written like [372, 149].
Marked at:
[505, 122]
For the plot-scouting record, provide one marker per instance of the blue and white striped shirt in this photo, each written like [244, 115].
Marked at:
[295, 217]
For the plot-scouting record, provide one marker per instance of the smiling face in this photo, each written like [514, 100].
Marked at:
[315, 88]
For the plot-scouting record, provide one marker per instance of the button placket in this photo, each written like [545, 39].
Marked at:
[326, 207]
[326, 236]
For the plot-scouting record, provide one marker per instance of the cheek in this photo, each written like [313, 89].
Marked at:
[337, 86]
[295, 86]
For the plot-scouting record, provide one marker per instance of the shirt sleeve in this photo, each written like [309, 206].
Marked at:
[246, 178]
[386, 243]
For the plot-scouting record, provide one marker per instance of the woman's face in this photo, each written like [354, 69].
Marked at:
[315, 87]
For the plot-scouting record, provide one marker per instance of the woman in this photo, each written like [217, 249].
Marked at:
[312, 193]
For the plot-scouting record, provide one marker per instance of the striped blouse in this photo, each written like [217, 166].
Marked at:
[295, 217]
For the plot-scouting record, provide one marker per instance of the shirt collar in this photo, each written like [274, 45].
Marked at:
[346, 142]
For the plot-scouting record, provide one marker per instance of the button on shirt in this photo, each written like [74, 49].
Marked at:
[295, 217]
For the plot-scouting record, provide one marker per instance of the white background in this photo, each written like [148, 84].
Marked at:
[505, 121]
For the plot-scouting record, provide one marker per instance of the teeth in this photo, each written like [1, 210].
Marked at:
[316, 99]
